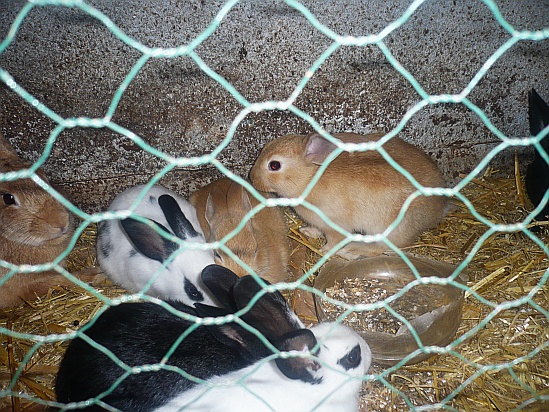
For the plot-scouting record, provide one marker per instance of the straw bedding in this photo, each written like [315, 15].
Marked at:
[506, 268]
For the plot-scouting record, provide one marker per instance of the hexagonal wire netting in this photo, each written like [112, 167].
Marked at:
[337, 41]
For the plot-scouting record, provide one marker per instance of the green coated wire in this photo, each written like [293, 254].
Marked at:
[337, 41]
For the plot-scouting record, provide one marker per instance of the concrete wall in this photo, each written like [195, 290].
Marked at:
[73, 64]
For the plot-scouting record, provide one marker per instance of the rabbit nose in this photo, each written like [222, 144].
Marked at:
[58, 231]
[58, 227]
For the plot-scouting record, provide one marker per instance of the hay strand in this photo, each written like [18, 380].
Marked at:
[507, 267]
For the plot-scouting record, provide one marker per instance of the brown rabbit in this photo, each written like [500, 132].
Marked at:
[34, 229]
[361, 192]
[262, 243]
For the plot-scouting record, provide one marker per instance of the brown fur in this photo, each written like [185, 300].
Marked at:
[262, 243]
[361, 192]
[34, 231]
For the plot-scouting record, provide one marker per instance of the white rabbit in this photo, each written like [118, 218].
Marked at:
[131, 253]
[328, 382]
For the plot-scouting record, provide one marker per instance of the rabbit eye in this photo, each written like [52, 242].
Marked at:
[192, 292]
[352, 359]
[8, 199]
[274, 165]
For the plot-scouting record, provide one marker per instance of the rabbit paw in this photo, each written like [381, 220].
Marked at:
[357, 250]
[311, 231]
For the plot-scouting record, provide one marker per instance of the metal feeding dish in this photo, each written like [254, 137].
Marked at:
[434, 311]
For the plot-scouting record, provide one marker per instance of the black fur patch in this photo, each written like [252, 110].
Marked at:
[147, 241]
[192, 291]
[298, 368]
[105, 249]
[140, 334]
[317, 381]
[175, 217]
[106, 246]
[360, 232]
[152, 199]
[352, 359]
[308, 378]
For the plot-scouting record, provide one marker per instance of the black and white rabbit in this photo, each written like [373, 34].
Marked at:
[131, 252]
[537, 174]
[328, 381]
[143, 333]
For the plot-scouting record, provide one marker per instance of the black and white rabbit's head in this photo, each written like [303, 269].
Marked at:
[320, 369]
[317, 369]
[342, 349]
[328, 378]
[135, 256]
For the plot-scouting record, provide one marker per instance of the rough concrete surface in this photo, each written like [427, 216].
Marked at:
[73, 64]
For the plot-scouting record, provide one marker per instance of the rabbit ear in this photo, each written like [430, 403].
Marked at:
[6, 148]
[237, 197]
[147, 241]
[247, 205]
[210, 210]
[271, 314]
[216, 196]
[318, 149]
[10, 160]
[180, 225]
[246, 200]
[298, 367]
[220, 281]
[210, 311]
[538, 113]
[233, 335]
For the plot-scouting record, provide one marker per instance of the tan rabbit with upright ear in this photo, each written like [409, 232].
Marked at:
[34, 229]
[361, 192]
[262, 243]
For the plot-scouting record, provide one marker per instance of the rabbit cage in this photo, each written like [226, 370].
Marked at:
[106, 95]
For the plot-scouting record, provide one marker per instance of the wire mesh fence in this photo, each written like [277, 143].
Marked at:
[536, 392]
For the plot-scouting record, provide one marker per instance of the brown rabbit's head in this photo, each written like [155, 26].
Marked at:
[29, 216]
[287, 165]
[261, 243]
[283, 166]
[224, 212]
